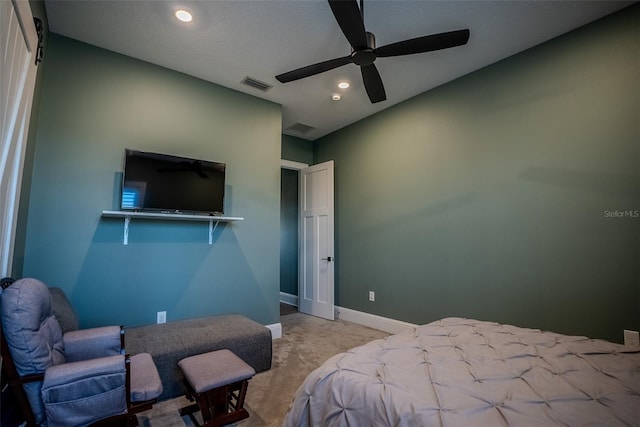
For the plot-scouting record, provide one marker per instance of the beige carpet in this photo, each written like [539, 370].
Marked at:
[287, 309]
[307, 342]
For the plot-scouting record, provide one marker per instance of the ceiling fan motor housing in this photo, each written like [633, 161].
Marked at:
[364, 57]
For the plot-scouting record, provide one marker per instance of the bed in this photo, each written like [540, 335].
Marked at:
[462, 372]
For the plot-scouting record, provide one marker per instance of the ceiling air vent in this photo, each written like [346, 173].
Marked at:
[250, 81]
[300, 128]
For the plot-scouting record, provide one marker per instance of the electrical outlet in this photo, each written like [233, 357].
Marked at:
[162, 317]
[631, 338]
[372, 296]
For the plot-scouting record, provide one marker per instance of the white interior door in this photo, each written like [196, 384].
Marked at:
[316, 291]
[18, 45]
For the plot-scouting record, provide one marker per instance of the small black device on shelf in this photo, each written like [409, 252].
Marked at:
[167, 183]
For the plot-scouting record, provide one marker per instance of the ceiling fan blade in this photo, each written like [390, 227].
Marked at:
[373, 83]
[349, 18]
[424, 44]
[311, 70]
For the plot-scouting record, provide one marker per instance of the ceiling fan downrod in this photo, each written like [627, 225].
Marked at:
[364, 57]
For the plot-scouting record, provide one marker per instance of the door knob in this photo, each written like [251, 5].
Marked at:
[328, 259]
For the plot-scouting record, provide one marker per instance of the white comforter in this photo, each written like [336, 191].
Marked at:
[461, 372]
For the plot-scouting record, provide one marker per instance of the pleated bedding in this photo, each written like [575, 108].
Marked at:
[463, 372]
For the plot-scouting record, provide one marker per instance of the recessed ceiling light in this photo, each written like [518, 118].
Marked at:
[336, 97]
[343, 85]
[184, 15]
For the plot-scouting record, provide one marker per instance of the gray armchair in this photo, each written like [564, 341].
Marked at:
[71, 379]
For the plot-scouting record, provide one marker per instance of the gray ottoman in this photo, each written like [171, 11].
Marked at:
[218, 381]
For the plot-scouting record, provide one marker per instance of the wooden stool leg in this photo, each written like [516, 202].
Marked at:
[220, 406]
[242, 394]
[206, 408]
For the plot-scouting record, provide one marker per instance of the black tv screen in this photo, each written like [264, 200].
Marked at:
[161, 182]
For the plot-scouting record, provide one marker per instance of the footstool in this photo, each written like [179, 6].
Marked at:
[218, 382]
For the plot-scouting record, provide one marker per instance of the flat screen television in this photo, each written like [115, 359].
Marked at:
[172, 184]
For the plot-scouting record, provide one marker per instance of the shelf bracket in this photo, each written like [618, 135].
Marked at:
[212, 228]
[125, 238]
[128, 215]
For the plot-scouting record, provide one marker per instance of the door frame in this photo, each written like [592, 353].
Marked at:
[15, 130]
[296, 166]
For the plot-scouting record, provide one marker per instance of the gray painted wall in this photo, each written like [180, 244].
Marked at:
[487, 197]
[94, 103]
[297, 149]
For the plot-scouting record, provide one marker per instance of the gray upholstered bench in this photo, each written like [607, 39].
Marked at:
[168, 343]
[218, 382]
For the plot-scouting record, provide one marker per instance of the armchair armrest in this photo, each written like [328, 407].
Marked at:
[79, 393]
[92, 343]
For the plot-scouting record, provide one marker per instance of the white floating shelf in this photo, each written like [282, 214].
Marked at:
[128, 215]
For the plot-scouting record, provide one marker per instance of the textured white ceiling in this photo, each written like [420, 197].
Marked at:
[229, 40]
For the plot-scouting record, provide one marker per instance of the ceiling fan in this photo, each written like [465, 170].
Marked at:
[350, 18]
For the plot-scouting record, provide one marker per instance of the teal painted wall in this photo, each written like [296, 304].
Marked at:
[297, 149]
[487, 197]
[94, 104]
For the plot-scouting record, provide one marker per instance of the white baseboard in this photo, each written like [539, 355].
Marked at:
[276, 330]
[373, 321]
[289, 298]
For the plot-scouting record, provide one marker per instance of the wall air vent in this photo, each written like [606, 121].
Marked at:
[257, 84]
[300, 128]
